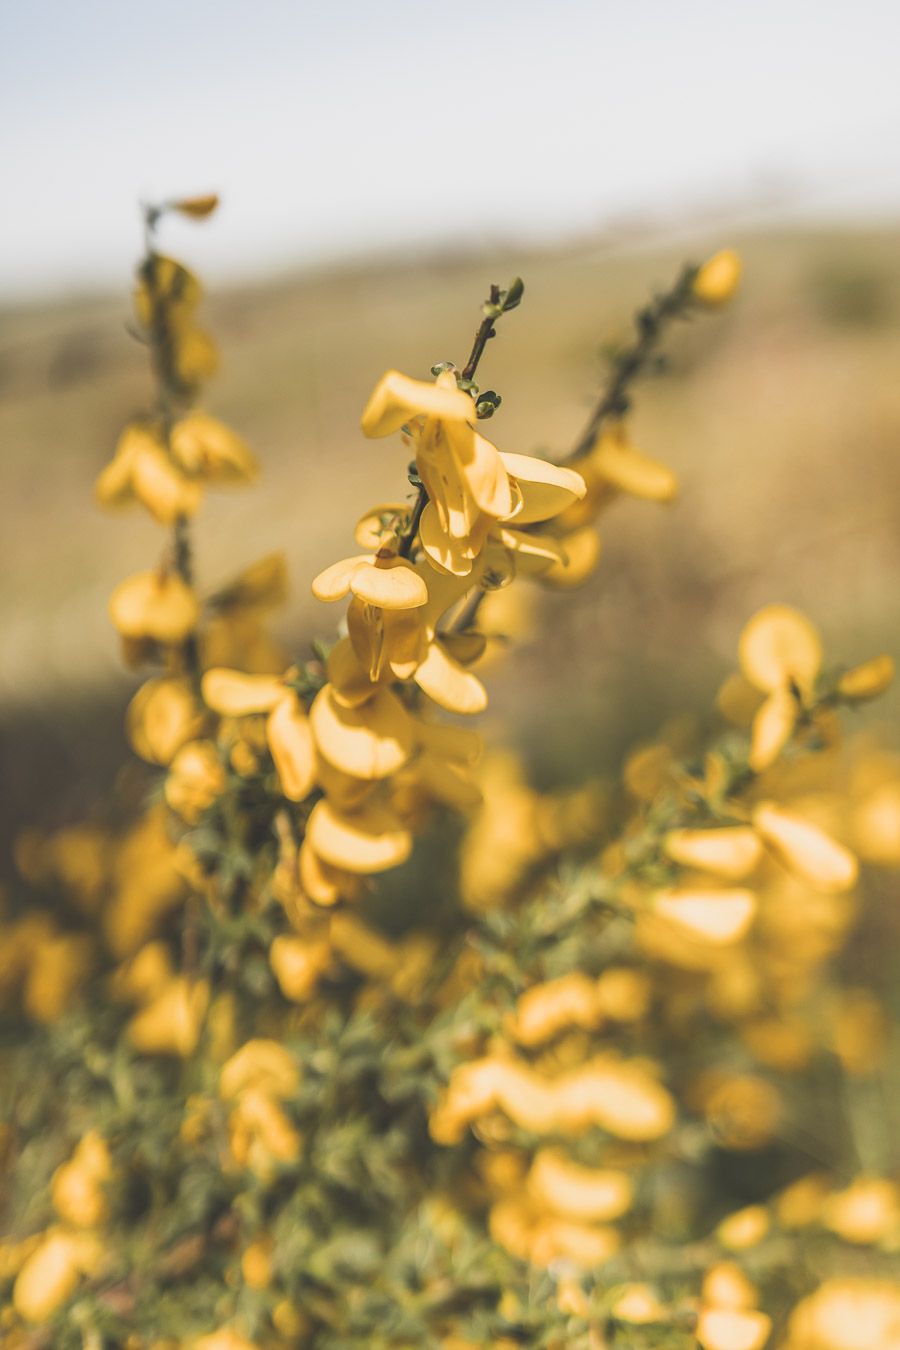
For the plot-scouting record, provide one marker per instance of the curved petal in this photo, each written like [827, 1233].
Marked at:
[630, 470]
[370, 840]
[453, 556]
[154, 605]
[483, 470]
[368, 742]
[546, 488]
[349, 680]
[449, 684]
[334, 582]
[291, 742]
[234, 694]
[396, 398]
[389, 583]
[161, 486]
[582, 550]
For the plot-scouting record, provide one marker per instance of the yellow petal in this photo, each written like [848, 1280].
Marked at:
[298, 964]
[618, 462]
[458, 743]
[454, 556]
[198, 208]
[482, 469]
[581, 553]
[868, 680]
[370, 840]
[717, 917]
[114, 486]
[154, 605]
[732, 852]
[576, 1192]
[322, 883]
[778, 647]
[162, 717]
[231, 693]
[546, 489]
[732, 1329]
[805, 850]
[773, 726]
[204, 446]
[349, 681]
[291, 742]
[535, 553]
[161, 486]
[396, 398]
[719, 277]
[447, 682]
[370, 742]
[262, 1065]
[334, 582]
[389, 583]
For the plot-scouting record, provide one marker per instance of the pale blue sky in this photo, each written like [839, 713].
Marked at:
[331, 128]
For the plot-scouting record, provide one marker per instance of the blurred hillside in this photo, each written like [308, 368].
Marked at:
[781, 416]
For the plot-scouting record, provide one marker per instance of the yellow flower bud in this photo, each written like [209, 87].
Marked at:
[718, 278]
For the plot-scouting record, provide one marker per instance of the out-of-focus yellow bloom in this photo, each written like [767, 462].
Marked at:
[156, 605]
[744, 1229]
[50, 1275]
[800, 1204]
[587, 1194]
[779, 647]
[261, 1136]
[865, 1212]
[77, 1187]
[142, 977]
[144, 470]
[224, 1339]
[195, 779]
[732, 1329]
[170, 1024]
[298, 965]
[716, 917]
[847, 1313]
[262, 1064]
[146, 883]
[639, 1304]
[162, 717]
[804, 849]
[619, 464]
[717, 279]
[726, 1286]
[733, 851]
[58, 967]
[868, 680]
[620, 1096]
[543, 1239]
[256, 1264]
[210, 451]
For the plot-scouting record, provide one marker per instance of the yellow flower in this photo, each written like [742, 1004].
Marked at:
[365, 841]
[170, 1024]
[298, 964]
[144, 470]
[195, 779]
[575, 1192]
[370, 741]
[850, 1313]
[51, 1273]
[156, 605]
[77, 1187]
[379, 579]
[233, 694]
[733, 852]
[262, 1064]
[804, 849]
[615, 462]
[162, 717]
[719, 277]
[716, 917]
[207, 449]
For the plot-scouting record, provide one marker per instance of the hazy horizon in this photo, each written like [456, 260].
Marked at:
[337, 131]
